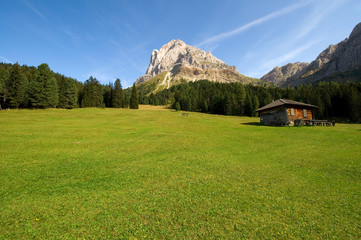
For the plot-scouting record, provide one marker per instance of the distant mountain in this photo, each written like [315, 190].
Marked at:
[280, 74]
[176, 61]
[338, 62]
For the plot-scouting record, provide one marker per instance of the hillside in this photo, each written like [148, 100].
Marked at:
[342, 59]
[178, 61]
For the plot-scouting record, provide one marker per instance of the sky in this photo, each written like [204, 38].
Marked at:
[110, 39]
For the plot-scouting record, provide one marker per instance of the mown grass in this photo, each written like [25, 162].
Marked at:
[151, 174]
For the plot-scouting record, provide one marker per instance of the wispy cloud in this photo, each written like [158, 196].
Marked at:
[268, 64]
[5, 60]
[254, 23]
[289, 55]
[34, 9]
[320, 10]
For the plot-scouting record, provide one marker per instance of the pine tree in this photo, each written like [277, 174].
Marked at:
[134, 98]
[43, 90]
[67, 92]
[125, 101]
[255, 105]
[248, 106]
[228, 106]
[93, 96]
[4, 76]
[118, 94]
[16, 87]
[108, 92]
[204, 107]
[241, 98]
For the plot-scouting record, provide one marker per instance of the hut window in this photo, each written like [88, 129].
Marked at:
[292, 111]
[304, 112]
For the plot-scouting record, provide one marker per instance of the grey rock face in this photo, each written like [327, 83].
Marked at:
[280, 74]
[341, 57]
[182, 60]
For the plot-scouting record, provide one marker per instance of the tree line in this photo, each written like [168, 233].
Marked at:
[31, 87]
[334, 99]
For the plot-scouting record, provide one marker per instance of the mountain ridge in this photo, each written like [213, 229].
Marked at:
[338, 58]
[185, 62]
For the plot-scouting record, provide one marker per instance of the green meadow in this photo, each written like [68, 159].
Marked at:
[156, 174]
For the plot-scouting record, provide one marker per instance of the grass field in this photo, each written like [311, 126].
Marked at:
[152, 174]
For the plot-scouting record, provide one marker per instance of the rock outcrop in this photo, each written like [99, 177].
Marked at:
[342, 57]
[278, 75]
[189, 63]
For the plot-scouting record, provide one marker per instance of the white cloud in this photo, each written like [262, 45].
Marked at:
[5, 60]
[254, 23]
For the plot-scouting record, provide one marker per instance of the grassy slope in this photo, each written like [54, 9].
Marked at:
[115, 173]
[152, 84]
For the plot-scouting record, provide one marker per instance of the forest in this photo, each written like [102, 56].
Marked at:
[31, 87]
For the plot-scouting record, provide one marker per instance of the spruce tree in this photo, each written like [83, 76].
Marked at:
[108, 92]
[134, 98]
[248, 106]
[228, 106]
[125, 101]
[241, 98]
[67, 92]
[16, 87]
[118, 94]
[43, 90]
[93, 96]
[255, 105]
[4, 76]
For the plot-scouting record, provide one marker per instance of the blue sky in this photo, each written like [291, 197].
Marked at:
[111, 39]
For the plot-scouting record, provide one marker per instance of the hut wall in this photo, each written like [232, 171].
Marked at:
[275, 116]
[299, 114]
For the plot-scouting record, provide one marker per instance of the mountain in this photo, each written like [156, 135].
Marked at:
[280, 74]
[177, 61]
[338, 62]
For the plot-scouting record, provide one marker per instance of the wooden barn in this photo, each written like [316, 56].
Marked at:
[285, 112]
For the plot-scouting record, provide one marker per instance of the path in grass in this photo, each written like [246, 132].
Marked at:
[116, 173]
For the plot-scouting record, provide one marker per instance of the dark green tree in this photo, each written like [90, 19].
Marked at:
[177, 106]
[93, 96]
[248, 106]
[134, 98]
[43, 91]
[228, 106]
[241, 95]
[16, 87]
[108, 92]
[118, 94]
[4, 76]
[255, 105]
[67, 92]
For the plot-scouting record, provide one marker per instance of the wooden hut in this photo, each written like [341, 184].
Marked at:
[285, 112]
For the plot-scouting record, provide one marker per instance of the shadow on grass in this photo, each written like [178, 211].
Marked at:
[252, 123]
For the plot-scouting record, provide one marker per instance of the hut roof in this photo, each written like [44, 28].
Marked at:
[281, 102]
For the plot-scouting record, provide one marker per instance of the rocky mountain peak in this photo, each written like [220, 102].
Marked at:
[183, 61]
[356, 31]
[341, 57]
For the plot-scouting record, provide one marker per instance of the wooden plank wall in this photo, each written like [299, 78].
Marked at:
[299, 114]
